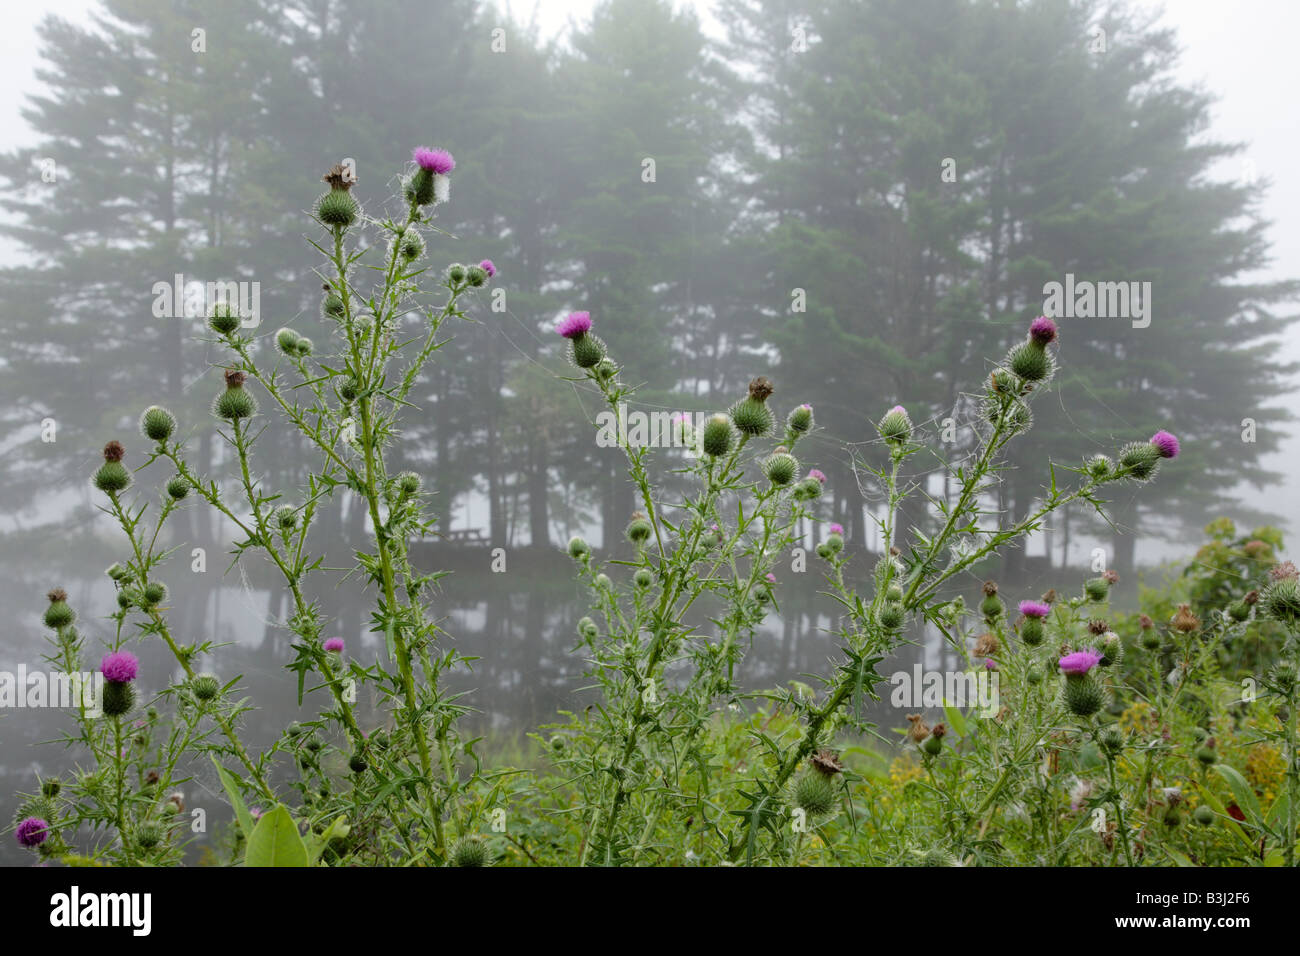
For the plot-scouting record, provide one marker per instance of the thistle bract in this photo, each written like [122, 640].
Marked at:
[157, 424]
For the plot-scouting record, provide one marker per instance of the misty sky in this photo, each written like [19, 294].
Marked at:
[1243, 52]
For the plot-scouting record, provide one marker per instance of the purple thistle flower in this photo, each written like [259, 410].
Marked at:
[334, 645]
[120, 666]
[1035, 609]
[900, 409]
[770, 578]
[1166, 444]
[574, 325]
[1080, 662]
[488, 266]
[434, 160]
[990, 664]
[837, 529]
[820, 476]
[32, 832]
[1042, 330]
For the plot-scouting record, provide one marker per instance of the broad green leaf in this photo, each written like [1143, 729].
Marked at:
[276, 842]
[236, 800]
[1242, 792]
[955, 719]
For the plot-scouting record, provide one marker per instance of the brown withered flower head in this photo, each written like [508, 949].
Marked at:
[1110, 577]
[56, 595]
[826, 762]
[340, 177]
[1050, 596]
[990, 588]
[761, 389]
[986, 645]
[919, 729]
[1252, 597]
[235, 378]
[939, 731]
[114, 451]
[1145, 622]
[1098, 627]
[1184, 620]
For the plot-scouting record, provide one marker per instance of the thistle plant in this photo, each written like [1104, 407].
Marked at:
[643, 752]
[403, 797]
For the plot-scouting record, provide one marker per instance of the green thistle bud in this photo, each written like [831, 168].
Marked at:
[59, 613]
[835, 542]
[50, 788]
[991, 607]
[420, 187]
[411, 245]
[643, 578]
[1173, 817]
[1003, 384]
[1096, 589]
[808, 488]
[117, 698]
[331, 305]
[1281, 601]
[357, 762]
[894, 593]
[1139, 460]
[305, 347]
[718, 436]
[933, 745]
[1284, 677]
[470, 851]
[1206, 755]
[895, 427]
[780, 467]
[1099, 467]
[1031, 631]
[295, 729]
[456, 273]
[224, 319]
[206, 687]
[557, 744]
[603, 582]
[639, 529]
[148, 836]
[285, 517]
[586, 350]
[476, 276]
[112, 476]
[337, 209]
[814, 793]
[587, 628]
[1030, 362]
[1150, 639]
[892, 616]
[1017, 419]
[125, 599]
[1034, 673]
[157, 423]
[1111, 740]
[750, 415]
[116, 571]
[1204, 815]
[286, 340]
[408, 483]
[155, 592]
[1111, 648]
[825, 552]
[800, 419]
[178, 488]
[1239, 611]
[578, 548]
[348, 390]
[1083, 695]
[234, 403]
[605, 369]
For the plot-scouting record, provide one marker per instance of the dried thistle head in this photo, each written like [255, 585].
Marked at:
[114, 451]
[990, 588]
[986, 645]
[1110, 577]
[235, 378]
[826, 762]
[760, 389]
[919, 729]
[1251, 597]
[340, 177]
[1184, 620]
[939, 731]
[1145, 622]
[56, 595]
[1050, 596]
[1098, 627]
